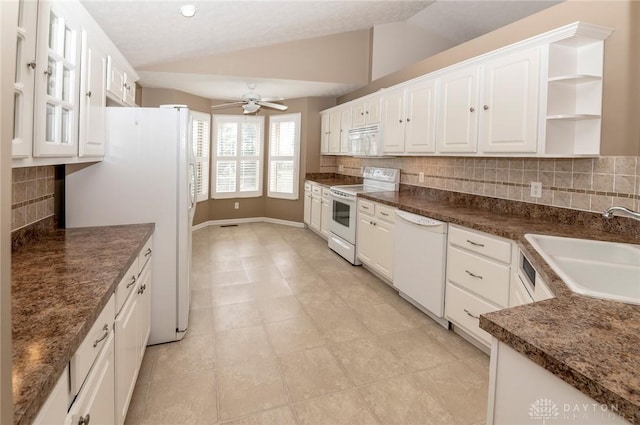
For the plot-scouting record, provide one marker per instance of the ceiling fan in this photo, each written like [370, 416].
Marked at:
[251, 102]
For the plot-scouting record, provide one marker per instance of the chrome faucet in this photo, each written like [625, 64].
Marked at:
[610, 212]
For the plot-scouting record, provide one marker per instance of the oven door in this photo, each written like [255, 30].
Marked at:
[343, 218]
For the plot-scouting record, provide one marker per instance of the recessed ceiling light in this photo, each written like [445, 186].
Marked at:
[188, 10]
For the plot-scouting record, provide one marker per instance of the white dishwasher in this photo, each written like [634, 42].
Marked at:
[419, 262]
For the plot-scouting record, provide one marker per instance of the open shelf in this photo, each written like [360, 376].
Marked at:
[573, 117]
[575, 79]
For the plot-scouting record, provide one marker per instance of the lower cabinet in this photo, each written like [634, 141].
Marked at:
[97, 385]
[375, 237]
[325, 214]
[317, 208]
[307, 204]
[478, 279]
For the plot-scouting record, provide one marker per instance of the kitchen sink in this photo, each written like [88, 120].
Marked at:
[599, 269]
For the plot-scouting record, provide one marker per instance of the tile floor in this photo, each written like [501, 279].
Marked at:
[283, 331]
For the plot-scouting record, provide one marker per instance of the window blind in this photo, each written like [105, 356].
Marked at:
[237, 158]
[284, 156]
[200, 124]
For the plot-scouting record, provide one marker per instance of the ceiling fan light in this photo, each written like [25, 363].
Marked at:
[250, 108]
[188, 10]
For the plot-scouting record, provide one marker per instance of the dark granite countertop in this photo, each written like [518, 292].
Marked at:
[59, 286]
[331, 179]
[591, 344]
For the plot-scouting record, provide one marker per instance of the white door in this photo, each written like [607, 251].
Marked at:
[57, 82]
[358, 114]
[144, 308]
[345, 126]
[366, 237]
[115, 80]
[334, 131]
[510, 106]
[372, 112]
[316, 212]
[127, 354]
[92, 99]
[420, 117]
[324, 132]
[458, 122]
[384, 248]
[393, 120]
[307, 207]
[325, 217]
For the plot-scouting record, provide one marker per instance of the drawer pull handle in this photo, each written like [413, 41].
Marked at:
[471, 314]
[142, 289]
[148, 252]
[133, 280]
[84, 420]
[475, 243]
[364, 207]
[477, 276]
[105, 328]
[384, 214]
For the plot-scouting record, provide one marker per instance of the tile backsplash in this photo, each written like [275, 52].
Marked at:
[32, 195]
[588, 184]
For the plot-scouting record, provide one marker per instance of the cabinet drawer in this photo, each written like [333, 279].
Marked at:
[366, 207]
[145, 254]
[307, 186]
[91, 346]
[385, 213]
[316, 190]
[480, 275]
[126, 285]
[326, 192]
[464, 310]
[482, 243]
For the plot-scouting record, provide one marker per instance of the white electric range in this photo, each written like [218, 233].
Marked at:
[343, 218]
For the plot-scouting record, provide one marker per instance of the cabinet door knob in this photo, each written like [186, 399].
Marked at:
[84, 420]
[361, 113]
[400, 121]
[89, 93]
[485, 107]
[472, 109]
[31, 65]
[48, 72]
[408, 119]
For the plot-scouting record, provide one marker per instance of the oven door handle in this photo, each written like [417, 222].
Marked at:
[338, 196]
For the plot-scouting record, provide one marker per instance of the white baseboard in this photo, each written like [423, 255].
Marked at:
[246, 220]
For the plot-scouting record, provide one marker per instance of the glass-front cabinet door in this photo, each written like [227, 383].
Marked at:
[24, 79]
[57, 80]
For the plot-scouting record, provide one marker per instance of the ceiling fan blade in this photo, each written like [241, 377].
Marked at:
[271, 99]
[273, 105]
[227, 105]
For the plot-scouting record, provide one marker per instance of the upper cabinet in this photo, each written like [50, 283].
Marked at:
[408, 118]
[335, 124]
[57, 83]
[61, 84]
[539, 97]
[365, 111]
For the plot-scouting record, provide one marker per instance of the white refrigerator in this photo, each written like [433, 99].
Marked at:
[147, 176]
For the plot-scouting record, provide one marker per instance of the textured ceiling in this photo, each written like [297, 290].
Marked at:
[151, 32]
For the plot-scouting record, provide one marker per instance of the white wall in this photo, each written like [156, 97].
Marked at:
[399, 44]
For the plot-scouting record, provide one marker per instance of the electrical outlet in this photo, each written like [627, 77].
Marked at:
[536, 190]
[421, 177]
[236, 205]
[341, 168]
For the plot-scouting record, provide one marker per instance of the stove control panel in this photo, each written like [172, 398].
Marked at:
[390, 175]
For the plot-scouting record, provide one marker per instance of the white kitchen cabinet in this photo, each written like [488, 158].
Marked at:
[408, 117]
[334, 131]
[325, 217]
[57, 82]
[316, 208]
[345, 126]
[509, 110]
[307, 203]
[366, 111]
[132, 328]
[21, 146]
[458, 119]
[511, 402]
[95, 402]
[93, 104]
[325, 120]
[478, 278]
[375, 237]
[121, 85]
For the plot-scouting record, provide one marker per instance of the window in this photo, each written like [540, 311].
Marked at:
[237, 156]
[200, 124]
[284, 154]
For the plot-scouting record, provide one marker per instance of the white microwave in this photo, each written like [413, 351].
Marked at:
[366, 141]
